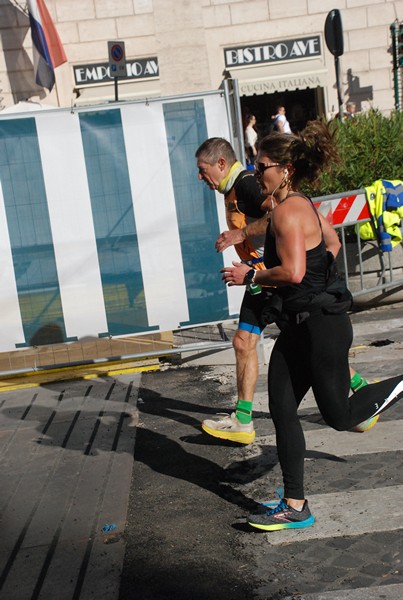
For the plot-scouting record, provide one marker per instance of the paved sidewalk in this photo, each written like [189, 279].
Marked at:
[66, 458]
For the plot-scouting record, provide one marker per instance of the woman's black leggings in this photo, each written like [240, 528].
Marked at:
[315, 354]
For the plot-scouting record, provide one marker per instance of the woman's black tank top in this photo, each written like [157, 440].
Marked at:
[314, 280]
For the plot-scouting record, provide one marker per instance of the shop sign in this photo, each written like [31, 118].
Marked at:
[269, 86]
[141, 68]
[306, 47]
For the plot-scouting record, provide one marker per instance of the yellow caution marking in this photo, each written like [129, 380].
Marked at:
[90, 371]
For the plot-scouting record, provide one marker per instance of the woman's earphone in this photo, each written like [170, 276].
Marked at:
[285, 181]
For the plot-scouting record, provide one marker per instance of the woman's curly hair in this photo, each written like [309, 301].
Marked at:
[309, 152]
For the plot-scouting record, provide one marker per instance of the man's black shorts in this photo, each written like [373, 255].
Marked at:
[250, 315]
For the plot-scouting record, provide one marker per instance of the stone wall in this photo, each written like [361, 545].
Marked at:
[188, 36]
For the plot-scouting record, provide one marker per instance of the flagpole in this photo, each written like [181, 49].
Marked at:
[57, 91]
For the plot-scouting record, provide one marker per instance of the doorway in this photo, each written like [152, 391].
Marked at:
[301, 106]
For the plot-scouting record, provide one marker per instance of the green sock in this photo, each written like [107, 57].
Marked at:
[243, 411]
[357, 382]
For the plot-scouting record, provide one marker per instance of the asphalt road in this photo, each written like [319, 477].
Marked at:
[99, 475]
[186, 534]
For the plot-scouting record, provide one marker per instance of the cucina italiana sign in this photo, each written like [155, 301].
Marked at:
[269, 86]
[306, 47]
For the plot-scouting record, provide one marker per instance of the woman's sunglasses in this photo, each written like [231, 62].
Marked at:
[261, 167]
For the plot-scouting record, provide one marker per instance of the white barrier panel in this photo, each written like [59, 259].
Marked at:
[73, 238]
[12, 330]
[157, 225]
[106, 230]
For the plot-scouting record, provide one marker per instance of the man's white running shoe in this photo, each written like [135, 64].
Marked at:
[366, 425]
[227, 427]
[395, 395]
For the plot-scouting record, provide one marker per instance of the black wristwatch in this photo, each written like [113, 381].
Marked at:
[249, 277]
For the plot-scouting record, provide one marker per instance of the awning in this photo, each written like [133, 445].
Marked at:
[266, 79]
[127, 90]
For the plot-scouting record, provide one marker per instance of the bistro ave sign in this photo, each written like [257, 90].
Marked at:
[140, 68]
[306, 47]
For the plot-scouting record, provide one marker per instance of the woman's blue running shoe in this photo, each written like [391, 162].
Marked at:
[283, 517]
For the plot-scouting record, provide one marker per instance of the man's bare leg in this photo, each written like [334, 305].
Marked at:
[247, 367]
[238, 427]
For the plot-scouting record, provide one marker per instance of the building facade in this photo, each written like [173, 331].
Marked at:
[275, 49]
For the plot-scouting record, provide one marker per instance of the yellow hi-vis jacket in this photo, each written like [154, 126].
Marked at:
[385, 201]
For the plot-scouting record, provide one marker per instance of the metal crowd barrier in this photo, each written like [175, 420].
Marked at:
[368, 270]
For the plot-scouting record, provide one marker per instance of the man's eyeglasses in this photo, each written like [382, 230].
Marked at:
[261, 167]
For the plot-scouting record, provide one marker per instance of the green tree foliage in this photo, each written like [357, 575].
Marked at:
[370, 146]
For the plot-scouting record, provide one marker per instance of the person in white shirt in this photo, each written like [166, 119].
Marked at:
[280, 121]
[251, 139]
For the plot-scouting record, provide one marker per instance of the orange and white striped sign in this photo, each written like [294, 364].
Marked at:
[344, 210]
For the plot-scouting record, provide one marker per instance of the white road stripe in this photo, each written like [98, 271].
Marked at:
[347, 514]
[384, 437]
[380, 326]
[386, 592]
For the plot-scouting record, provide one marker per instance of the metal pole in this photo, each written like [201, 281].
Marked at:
[229, 110]
[238, 121]
[393, 31]
[339, 96]
[116, 90]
